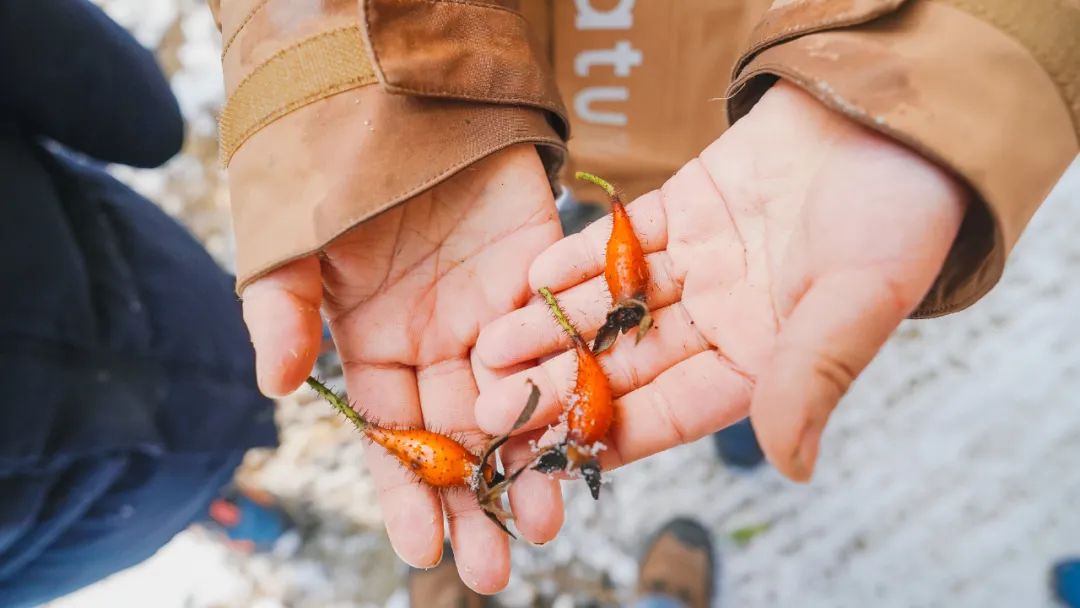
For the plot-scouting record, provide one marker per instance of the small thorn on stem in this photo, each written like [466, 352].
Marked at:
[340, 404]
[561, 318]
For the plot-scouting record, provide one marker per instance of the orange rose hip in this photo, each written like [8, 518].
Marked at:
[626, 273]
[436, 459]
[439, 460]
[589, 411]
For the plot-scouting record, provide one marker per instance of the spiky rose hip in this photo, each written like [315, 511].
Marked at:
[625, 271]
[438, 460]
[589, 410]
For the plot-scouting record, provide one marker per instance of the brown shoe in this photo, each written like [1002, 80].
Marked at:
[441, 587]
[680, 563]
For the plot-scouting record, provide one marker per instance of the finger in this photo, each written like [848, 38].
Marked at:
[832, 334]
[486, 377]
[481, 549]
[281, 311]
[529, 333]
[411, 510]
[447, 395]
[580, 256]
[535, 498]
[695, 398]
[627, 365]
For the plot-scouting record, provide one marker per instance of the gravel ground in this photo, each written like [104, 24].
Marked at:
[948, 476]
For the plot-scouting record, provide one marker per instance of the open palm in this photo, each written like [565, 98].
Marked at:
[406, 294]
[781, 259]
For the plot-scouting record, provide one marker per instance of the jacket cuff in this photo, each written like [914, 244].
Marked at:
[983, 89]
[341, 109]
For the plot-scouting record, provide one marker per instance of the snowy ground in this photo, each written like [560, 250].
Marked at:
[949, 476]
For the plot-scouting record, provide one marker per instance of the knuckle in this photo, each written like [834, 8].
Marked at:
[620, 369]
[898, 294]
[665, 413]
[837, 374]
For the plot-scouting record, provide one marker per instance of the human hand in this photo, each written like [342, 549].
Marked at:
[781, 260]
[406, 294]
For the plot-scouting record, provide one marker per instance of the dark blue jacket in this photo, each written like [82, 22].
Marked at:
[127, 392]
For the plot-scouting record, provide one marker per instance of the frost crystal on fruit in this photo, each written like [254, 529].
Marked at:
[475, 474]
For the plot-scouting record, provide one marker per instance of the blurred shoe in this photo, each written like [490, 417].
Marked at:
[679, 567]
[737, 445]
[441, 587]
[1065, 581]
[251, 521]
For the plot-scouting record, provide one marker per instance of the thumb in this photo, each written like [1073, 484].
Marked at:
[832, 334]
[281, 310]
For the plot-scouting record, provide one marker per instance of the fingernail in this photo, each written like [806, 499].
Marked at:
[264, 371]
[807, 451]
[416, 544]
[268, 377]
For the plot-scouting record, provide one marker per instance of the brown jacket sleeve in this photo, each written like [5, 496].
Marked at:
[989, 89]
[340, 109]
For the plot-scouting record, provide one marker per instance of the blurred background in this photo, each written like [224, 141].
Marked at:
[950, 476]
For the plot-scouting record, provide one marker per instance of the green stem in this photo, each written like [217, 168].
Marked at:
[339, 404]
[599, 181]
[561, 317]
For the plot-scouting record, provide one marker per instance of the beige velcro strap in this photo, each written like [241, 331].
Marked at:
[312, 69]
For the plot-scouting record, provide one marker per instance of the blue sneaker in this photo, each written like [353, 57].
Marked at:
[1065, 581]
[250, 521]
[737, 445]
